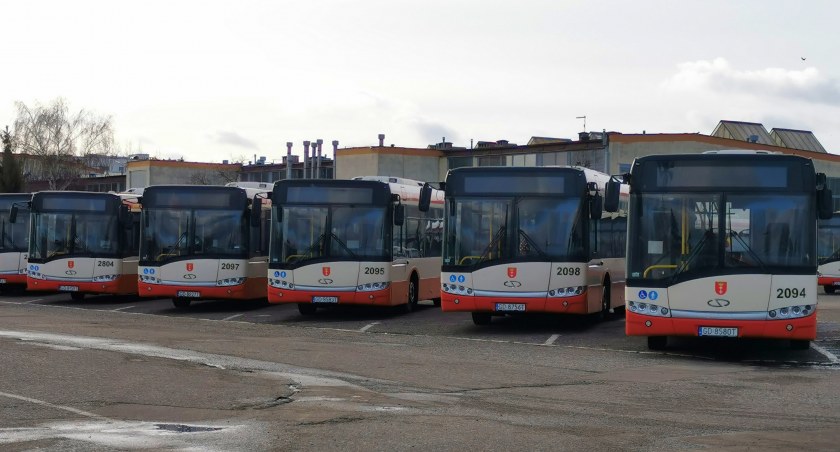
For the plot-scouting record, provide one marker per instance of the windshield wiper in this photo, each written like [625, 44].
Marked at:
[748, 249]
[693, 255]
[532, 244]
[317, 243]
[485, 255]
[343, 245]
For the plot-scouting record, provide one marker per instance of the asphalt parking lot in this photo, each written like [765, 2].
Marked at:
[546, 330]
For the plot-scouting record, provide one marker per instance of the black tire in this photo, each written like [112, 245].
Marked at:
[605, 300]
[412, 293]
[77, 296]
[481, 318]
[436, 301]
[181, 303]
[829, 289]
[307, 308]
[619, 311]
[800, 344]
[657, 342]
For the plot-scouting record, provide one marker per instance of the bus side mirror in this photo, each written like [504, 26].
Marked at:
[825, 204]
[399, 215]
[596, 207]
[13, 214]
[145, 216]
[425, 197]
[256, 210]
[611, 192]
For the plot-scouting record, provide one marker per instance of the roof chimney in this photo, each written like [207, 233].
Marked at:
[319, 142]
[381, 139]
[289, 160]
[306, 159]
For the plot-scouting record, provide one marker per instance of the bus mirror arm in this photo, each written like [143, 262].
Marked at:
[825, 204]
[399, 214]
[596, 206]
[13, 213]
[256, 209]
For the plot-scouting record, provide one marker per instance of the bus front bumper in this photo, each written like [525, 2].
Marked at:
[13, 278]
[644, 325]
[373, 297]
[123, 285]
[557, 305]
[252, 288]
[826, 280]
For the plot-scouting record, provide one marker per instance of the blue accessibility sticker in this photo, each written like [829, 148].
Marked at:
[452, 278]
[461, 278]
[145, 271]
[282, 274]
[643, 294]
[653, 295]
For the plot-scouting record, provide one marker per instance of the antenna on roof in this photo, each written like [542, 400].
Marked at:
[584, 121]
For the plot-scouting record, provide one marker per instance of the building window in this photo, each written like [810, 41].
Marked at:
[491, 160]
[623, 168]
[460, 162]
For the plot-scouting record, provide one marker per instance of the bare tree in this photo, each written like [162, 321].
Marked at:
[61, 146]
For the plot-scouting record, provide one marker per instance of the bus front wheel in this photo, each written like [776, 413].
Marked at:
[828, 289]
[481, 318]
[657, 342]
[307, 308]
[800, 344]
[181, 303]
[412, 293]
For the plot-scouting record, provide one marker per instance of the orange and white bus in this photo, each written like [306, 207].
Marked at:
[14, 240]
[203, 242]
[723, 244]
[82, 243]
[361, 241]
[828, 254]
[531, 239]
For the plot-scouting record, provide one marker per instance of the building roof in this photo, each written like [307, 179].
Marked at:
[544, 140]
[743, 131]
[727, 142]
[796, 139]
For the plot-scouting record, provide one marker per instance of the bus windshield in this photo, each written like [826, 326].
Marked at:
[495, 229]
[828, 243]
[169, 234]
[681, 236]
[57, 234]
[316, 232]
[14, 237]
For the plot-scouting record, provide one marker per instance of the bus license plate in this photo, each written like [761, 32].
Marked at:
[2, 281]
[325, 299]
[68, 288]
[510, 307]
[717, 331]
[188, 294]
[836, 283]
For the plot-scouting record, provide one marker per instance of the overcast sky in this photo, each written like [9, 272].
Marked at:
[213, 80]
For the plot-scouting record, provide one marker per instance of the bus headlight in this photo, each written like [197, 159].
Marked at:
[566, 291]
[370, 287]
[791, 312]
[648, 309]
[457, 290]
[148, 279]
[230, 282]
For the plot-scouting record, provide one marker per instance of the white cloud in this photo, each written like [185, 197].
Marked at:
[718, 75]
